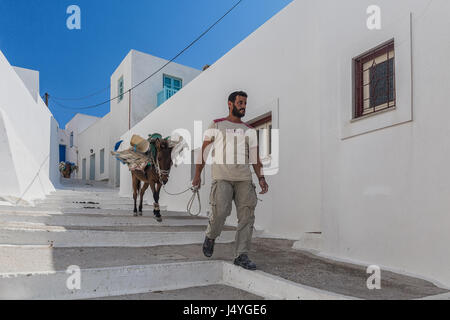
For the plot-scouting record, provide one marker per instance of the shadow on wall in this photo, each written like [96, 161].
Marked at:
[24, 179]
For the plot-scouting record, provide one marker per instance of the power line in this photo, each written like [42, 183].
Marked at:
[79, 108]
[84, 97]
[170, 61]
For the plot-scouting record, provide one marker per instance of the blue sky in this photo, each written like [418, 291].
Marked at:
[76, 63]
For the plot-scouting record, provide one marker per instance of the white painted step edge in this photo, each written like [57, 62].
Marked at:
[90, 238]
[67, 221]
[106, 282]
[80, 210]
[273, 287]
[127, 280]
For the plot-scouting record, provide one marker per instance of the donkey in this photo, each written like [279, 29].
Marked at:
[66, 169]
[154, 176]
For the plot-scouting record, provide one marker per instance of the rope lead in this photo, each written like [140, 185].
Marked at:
[191, 201]
[193, 189]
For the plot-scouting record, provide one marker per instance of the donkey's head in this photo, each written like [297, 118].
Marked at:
[164, 158]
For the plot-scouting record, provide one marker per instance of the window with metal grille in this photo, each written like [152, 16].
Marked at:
[375, 80]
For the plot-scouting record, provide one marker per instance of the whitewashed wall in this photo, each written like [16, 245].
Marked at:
[77, 124]
[377, 188]
[385, 193]
[144, 97]
[272, 71]
[54, 173]
[30, 79]
[96, 137]
[119, 122]
[27, 137]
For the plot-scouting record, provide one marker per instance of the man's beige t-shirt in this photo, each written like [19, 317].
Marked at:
[236, 141]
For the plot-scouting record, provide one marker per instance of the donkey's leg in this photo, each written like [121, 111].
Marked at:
[136, 185]
[144, 188]
[155, 196]
[156, 210]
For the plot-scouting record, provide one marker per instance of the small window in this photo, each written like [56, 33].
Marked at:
[102, 161]
[176, 84]
[120, 89]
[172, 83]
[167, 82]
[263, 129]
[375, 80]
[71, 139]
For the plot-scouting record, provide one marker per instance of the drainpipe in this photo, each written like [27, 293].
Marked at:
[129, 109]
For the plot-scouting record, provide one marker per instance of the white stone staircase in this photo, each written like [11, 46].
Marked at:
[117, 254]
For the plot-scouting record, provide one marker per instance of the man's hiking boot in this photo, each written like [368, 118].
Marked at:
[244, 262]
[208, 247]
[157, 216]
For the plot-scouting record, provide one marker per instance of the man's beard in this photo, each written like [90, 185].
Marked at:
[236, 112]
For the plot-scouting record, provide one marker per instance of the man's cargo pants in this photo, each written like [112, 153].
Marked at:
[243, 193]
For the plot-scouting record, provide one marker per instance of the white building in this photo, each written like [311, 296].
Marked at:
[95, 142]
[374, 186]
[68, 137]
[28, 137]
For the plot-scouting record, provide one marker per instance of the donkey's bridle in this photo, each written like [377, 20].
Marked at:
[195, 190]
[159, 171]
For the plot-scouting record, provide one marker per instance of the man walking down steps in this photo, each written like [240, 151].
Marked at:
[232, 181]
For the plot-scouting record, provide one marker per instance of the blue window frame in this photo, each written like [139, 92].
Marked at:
[172, 82]
[120, 88]
[170, 86]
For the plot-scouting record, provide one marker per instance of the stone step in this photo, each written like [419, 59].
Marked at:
[86, 220]
[76, 283]
[90, 195]
[62, 237]
[99, 213]
[103, 205]
[105, 282]
[82, 192]
[311, 241]
[28, 226]
[85, 192]
[127, 201]
[20, 259]
[87, 209]
[71, 182]
[211, 292]
[284, 268]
